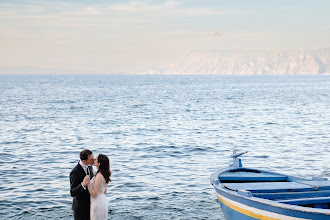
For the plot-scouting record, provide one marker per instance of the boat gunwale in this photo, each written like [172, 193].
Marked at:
[273, 203]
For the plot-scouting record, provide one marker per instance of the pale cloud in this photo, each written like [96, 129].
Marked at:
[171, 3]
[128, 7]
[33, 10]
[168, 8]
[70, 14]
[214, 34]
[200, 12]
[93, 11]
[211, 12]
[142, 9]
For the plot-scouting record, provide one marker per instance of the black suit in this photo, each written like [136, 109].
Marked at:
[81, 197]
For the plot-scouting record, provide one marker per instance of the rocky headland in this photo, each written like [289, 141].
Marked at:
[251, 62]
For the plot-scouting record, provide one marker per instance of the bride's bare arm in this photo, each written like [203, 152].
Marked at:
[97, 185]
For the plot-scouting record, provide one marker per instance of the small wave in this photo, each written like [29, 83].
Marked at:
[271, 123]
[138, 106]
[261, 156]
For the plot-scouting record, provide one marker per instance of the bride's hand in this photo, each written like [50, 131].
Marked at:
[86, 181]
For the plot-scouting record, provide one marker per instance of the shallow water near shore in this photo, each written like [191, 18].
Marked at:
[164, 135]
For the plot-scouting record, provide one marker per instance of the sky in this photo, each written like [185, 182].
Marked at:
[118, 37]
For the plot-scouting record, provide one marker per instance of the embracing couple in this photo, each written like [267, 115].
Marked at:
[89, 190]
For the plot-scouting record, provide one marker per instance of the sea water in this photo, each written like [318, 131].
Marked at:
[164, 135]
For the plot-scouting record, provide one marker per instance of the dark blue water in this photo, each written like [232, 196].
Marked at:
[165, 135]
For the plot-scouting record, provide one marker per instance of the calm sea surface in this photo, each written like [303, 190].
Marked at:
[164, 135]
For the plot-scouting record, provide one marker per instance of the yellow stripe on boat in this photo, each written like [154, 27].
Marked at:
[254, 212]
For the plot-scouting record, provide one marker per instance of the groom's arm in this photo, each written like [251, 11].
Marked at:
[75, 185]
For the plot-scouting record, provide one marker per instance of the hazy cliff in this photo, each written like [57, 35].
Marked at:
[252, 62]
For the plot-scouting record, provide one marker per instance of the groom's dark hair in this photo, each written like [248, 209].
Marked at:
[84, 154]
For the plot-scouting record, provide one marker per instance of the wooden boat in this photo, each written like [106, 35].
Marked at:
[246, 193]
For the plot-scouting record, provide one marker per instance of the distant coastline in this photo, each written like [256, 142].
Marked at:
[218, 62]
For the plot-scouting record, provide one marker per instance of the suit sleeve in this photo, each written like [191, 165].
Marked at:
[75, 185]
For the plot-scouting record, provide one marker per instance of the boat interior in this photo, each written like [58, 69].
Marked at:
[313, 193]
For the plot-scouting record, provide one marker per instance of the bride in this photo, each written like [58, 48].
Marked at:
[97, 188]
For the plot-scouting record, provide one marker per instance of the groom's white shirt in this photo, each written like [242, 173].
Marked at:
[85, 169]
[83, 166]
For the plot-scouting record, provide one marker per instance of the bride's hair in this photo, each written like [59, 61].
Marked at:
[104, 167]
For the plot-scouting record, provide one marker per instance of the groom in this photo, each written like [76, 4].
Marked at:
[79, 179]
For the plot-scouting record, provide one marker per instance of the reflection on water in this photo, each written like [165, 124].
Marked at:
[165, 135]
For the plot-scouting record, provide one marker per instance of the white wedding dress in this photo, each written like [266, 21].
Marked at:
[99, 204]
